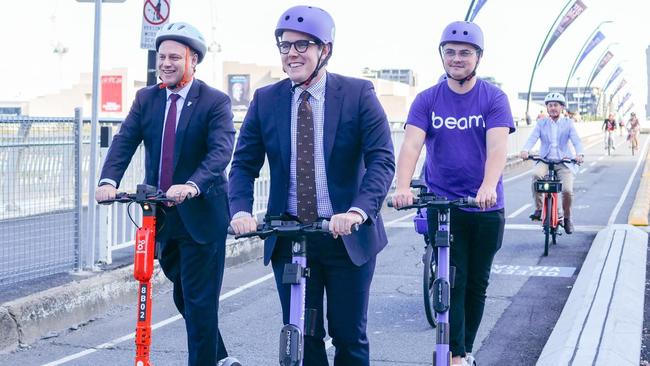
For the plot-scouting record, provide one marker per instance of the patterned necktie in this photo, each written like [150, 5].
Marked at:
[169, 140]
[305, 168]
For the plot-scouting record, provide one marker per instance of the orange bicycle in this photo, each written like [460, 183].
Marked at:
[550, 186]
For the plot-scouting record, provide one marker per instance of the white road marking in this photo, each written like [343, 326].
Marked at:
[520, 210]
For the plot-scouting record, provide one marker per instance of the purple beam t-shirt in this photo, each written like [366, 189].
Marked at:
[456, 126]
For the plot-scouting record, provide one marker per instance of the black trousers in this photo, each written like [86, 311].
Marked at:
[348, 290]
[196, 270]
[477, 236]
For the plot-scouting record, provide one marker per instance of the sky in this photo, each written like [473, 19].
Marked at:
[376, 34]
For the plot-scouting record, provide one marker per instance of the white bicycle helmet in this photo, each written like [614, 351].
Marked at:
[555, 97]
[183, 33]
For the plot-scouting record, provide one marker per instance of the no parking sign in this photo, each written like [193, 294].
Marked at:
[155, 14]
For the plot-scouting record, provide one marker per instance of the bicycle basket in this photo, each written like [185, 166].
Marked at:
[548, 186]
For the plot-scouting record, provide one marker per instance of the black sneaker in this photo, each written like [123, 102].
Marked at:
[536, 216]
[568, 226]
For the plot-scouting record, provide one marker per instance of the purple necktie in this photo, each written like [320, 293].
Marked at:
[169, 140]
[305, 167]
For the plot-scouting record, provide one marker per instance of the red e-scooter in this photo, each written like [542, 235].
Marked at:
[148, 197]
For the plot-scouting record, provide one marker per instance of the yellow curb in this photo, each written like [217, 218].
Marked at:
[639, 212]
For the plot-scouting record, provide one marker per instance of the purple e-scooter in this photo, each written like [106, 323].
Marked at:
[433, 221]
[301, 321]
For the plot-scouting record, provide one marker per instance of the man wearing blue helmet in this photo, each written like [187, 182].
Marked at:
[330, 153]
[464, 123]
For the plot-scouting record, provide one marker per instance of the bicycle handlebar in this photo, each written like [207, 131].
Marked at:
[547, 161]
[430, 200]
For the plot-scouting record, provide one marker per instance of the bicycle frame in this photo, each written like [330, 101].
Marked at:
[550, 213]
[439, 234]
[550, 186]
[145, 243]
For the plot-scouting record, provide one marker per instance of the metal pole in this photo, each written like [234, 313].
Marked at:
[151, 68]
[578, 97]
[78, 123]
[469, 11]
[584, 46]
[539, 54]
[89, 258]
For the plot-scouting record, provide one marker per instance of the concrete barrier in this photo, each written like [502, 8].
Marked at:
[602, 320]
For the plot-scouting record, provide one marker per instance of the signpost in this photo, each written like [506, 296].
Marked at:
[155, 14]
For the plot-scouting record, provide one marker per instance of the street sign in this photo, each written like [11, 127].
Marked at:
[155, 14]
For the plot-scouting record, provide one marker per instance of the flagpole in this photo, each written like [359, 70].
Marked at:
[539, 55]
[469, 11]
[593, 70]
[584, 46]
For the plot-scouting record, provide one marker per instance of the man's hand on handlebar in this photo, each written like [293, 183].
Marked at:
[181, 192]
[486, 197]
[105, 192]
[523, 154]
[580, 159]
[343, 223]
[402, 197]
[243, 225]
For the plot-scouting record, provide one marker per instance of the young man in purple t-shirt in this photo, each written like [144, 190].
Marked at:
[465, 124]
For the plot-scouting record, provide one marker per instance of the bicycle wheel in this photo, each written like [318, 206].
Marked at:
[609, 147]
[428, 276]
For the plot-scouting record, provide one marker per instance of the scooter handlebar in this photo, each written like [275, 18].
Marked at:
[421, 202]
[265, 230]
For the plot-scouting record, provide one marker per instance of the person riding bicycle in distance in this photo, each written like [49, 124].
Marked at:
[464, 124]
[555, 132]
[634, 127]
[609, 126]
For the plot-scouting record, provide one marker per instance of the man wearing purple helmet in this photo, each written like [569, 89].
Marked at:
[464, 123]
[330, 154]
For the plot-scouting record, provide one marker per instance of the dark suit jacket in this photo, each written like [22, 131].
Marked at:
[359, 158]
[204, 142]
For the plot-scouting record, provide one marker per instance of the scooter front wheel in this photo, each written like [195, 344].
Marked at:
[428, 277]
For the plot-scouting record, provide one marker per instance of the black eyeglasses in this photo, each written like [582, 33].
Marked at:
[301, 46]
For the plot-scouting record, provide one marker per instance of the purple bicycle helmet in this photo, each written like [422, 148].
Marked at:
[463, 32]
[310, 20]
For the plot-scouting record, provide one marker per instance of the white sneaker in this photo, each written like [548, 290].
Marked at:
[470, 359]
[229, 361]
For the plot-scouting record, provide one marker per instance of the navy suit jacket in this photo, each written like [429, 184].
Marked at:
[359, 158]
[204, 142]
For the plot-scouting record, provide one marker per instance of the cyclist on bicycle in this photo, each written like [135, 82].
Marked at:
[554, 132]
[464, 123]
[634, 127]
[609, 125]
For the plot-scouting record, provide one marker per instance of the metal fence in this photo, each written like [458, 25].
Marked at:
[40, 223]
[44, 196]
